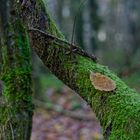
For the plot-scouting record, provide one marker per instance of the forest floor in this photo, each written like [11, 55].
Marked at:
[66, 117]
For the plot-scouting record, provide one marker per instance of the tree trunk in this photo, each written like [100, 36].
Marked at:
[117, 111]
[16, 112]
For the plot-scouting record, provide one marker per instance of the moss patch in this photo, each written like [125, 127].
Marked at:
[120, 108]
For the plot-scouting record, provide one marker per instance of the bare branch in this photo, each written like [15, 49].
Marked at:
[75, 49]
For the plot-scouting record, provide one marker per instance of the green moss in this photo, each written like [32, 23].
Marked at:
[119, 108]
[16, 75]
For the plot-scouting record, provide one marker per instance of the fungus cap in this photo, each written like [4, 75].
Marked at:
[102, 82]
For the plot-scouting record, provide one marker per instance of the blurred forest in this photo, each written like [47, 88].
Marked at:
[108, 28]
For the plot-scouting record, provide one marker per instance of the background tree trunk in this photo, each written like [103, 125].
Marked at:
[16, 112]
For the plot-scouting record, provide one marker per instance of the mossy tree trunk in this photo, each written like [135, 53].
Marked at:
[118, 111]
[16, 112]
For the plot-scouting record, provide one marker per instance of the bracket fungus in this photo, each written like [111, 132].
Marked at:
[102, 82]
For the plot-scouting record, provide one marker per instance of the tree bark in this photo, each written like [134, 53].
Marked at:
[16, 111]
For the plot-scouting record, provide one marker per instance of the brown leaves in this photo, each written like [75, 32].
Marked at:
[102, 82]
[49, 124]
